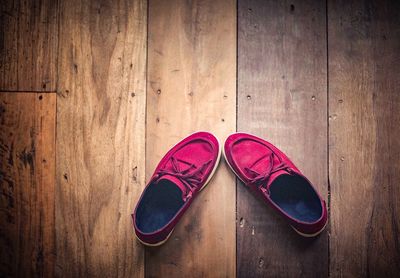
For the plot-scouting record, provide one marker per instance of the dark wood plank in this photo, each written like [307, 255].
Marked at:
[282, 97]
[191, 87]
[100, 137]
[28, 45]
[27, 174]
[364, 145]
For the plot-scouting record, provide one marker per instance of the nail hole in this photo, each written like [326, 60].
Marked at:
[40, 97]
[313, 98]
[248, 97]
[158, 91]
[133, 95]
[332, 117]
[241, 222]
[261, 262]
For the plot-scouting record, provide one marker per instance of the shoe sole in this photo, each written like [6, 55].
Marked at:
[310, 235]
[300, 233]
[206, 183]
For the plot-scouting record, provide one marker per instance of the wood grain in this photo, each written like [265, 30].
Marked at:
[364, 114]
[28, 45]
[282, 97]
[27, 174]
[100, 137]
[191, 87]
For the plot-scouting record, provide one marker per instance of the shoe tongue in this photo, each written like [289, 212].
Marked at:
[275, 175]
[175, 181]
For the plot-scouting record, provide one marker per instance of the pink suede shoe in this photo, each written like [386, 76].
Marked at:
[178, 178]
[269, 172]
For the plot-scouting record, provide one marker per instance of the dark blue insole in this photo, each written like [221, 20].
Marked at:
[159, 205]
[295, 196]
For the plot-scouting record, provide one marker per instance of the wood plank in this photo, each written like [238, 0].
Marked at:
[27, 175]
[282, 97]
[364, 145]
[191, 87]
[100, 137]
[28, 39]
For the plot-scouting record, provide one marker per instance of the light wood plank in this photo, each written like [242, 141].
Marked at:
[28, 52]
[364, 145]
[191, 87]
[282, 97]
[100, 137]
[27, 175]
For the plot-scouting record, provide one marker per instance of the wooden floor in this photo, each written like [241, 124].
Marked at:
[93, 93]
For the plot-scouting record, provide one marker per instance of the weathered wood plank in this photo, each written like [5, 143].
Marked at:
[28, 45]
[191, 86]
[100, 137]
[27, 175]
[364, 145]
[282, 97]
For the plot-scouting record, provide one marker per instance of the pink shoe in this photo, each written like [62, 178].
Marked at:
[270, 173]
[175, 183]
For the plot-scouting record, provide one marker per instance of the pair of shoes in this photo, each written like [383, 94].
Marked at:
[187, 168]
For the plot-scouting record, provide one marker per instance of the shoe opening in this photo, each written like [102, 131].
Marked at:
[296, 197]
[159, 204]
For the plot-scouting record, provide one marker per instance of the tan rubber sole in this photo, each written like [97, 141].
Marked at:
[310, 235]
[206, 183]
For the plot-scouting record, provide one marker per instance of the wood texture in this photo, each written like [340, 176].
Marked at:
[100, 137]
[364, 117]
[28, 45]
[191, 87]
[70, 175]
[282, 95]
[27, 174]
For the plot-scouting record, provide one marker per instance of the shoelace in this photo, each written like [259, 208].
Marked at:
[261, 179]
[189, 178]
